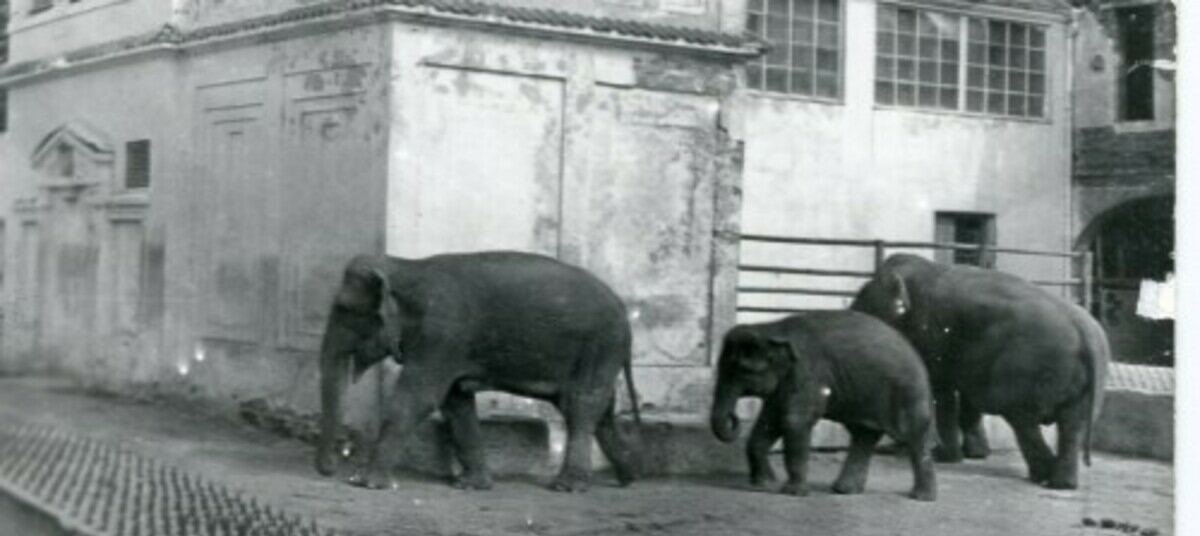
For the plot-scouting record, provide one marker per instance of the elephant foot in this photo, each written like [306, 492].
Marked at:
[925, 495]
[473, 481]
[1063, 482]
[848, 487]
[975, 449]
[1039, 473]
[372, 480]
[326, 464]
[571, 482]
[763, 479]
[944, 454]
[798, 489]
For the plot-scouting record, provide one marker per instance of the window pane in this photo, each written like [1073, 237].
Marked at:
[975, 76]
[977, 53]
[1035, 107]
[928, 97]
[995, 79]
[755, 5]
[802, 82]
[1037, 60]
[929, 48]
[777, 6]
[754, 75]
[948, 99]
[885, 92]
[884, 43]
[975, 101]
[905, 69]
[996, 55]
[906, 94]
[997, 32]
[802, 57]
[925, 25]
[908, 20]
[777, 79]
[949, 74]
[827, 60]
[906, 45]
[885, 68]
[1016, 81]
[929, 72]
[777, 29]
[802, 32]
[1037, 84]
[950, 50]
[887, 18]
[754, 24]
[827, 36]
[976, 31]
[828, 10]
[1016, 57]
[805, 9]
[827, 85]
[1016, 35]
[778, 54]
[1016, 105]
[995, 103]
[1037, 37]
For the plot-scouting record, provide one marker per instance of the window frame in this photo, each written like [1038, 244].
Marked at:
[964, 63]
[840, 99]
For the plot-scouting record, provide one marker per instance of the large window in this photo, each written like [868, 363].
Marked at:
[805, 47]
[928, 59]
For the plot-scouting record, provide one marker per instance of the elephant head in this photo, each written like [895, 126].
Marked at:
[885, 297]
[751, 364]
[363, 328]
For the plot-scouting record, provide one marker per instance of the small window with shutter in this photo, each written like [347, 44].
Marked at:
[137, 164]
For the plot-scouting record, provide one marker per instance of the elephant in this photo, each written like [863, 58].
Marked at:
[839, 365]
[507, 321]
[997, 344]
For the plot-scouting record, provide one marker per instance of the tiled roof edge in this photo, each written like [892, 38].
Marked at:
[550, 20]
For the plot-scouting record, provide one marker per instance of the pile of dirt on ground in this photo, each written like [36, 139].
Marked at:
[286, 422]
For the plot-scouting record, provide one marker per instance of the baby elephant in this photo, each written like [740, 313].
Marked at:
[839, 365]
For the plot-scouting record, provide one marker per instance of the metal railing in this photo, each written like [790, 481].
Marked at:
[985, 252]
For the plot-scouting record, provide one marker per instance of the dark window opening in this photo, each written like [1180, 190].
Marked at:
[137, 164]
[3, 110]
[40, 6]
[1136, 26]
[966, 228]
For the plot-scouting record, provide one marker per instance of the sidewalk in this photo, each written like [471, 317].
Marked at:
[988, 497]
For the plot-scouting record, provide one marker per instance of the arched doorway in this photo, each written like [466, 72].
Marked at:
[1133, 242]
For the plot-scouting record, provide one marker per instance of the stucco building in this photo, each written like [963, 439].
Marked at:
[182, 181]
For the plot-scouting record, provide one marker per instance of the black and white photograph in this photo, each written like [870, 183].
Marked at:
[598, 267]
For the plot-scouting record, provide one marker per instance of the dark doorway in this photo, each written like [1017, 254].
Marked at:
[1136, 26]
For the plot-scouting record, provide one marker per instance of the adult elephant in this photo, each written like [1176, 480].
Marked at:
[508, 321]
[997, 344]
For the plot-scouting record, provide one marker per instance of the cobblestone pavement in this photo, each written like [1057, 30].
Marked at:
[988, 497]
[1152, 380]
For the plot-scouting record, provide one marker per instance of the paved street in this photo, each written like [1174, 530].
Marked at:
[976, 498]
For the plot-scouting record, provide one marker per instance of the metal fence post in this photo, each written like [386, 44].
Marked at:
[1085, 280]
[879, 252]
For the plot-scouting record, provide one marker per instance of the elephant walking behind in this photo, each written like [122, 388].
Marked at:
[843, 366]
[996, 344]
[514, 322]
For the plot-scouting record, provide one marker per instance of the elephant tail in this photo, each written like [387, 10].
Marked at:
[1096, 356]
[633, 398]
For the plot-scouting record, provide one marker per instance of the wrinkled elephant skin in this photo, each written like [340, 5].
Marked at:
[514, 322]
[996, 344]
[843, 366]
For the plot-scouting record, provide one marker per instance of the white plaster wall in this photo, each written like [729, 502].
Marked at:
[854, 171]
[69, 26]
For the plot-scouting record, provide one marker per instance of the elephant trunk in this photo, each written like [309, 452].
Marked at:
[335, 363]
[724, 420]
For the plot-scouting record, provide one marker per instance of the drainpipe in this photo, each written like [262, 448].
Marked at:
[1069, 110]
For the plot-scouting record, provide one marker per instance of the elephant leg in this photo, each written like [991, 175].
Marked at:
[620, 451]
[924, 478]
[949, 434]
[765, 433]
[797, 434]
[1072, 423]
[582, 410]
[853, 477]
[970, 421]
[417, 394]
[1033, 446]
[459, 411]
